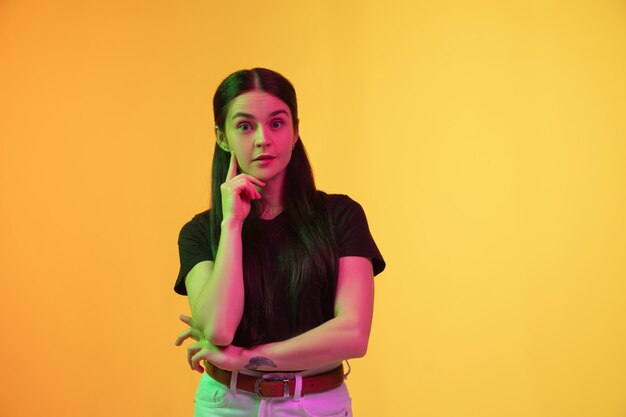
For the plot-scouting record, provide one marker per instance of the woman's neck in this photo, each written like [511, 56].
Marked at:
[271, 202]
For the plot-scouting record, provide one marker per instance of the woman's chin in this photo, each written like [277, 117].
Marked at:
[258, 174]
[261, 174]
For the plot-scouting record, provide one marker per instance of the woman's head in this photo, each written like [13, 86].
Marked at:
[273, 129]
[260, 132]
[256, 113]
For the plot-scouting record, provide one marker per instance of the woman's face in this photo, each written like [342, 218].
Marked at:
[259, 123]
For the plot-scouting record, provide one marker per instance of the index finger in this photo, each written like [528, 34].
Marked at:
[232, 167]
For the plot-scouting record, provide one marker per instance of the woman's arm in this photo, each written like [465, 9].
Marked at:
[343, 337]
[216, 290]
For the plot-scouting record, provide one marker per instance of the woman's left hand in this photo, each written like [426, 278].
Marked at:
[226, 357]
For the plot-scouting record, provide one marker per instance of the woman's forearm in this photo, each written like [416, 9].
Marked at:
[219, 306]
[336, 340]
[343, 337]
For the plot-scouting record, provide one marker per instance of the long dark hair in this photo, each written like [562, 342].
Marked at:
[309, 258]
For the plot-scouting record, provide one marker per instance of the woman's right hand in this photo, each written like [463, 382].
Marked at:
[237, 191]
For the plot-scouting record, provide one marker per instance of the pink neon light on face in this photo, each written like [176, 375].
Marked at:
[259, 125]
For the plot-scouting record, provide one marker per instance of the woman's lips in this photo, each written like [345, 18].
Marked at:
[263, 160]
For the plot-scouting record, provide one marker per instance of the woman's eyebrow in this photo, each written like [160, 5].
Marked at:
[251, 116]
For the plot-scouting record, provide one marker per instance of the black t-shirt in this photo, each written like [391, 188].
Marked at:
[353, 239]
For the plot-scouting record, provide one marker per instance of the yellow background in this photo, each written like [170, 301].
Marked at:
[485, 140]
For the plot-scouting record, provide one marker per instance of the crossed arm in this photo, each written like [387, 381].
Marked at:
[343, 337]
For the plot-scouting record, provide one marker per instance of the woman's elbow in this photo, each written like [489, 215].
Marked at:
[218, 337]
[219, 340]
[219, 332]
[359, 345]
[361, 350]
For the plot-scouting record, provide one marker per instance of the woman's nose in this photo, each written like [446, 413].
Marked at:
[261, 137]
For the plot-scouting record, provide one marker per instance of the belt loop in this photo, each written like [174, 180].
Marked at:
[233, 381]
[297, 394]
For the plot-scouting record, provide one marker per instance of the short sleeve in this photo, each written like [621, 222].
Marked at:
[353, 233]
[193, 247]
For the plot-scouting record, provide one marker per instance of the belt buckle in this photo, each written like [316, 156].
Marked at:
[274, 377]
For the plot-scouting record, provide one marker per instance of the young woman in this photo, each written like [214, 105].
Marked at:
[279, 275]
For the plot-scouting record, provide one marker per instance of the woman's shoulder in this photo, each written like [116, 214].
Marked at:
[201, 218]
[197, 225]
[340, 205]
[337, 201]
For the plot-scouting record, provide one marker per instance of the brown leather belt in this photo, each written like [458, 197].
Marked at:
[277, 384]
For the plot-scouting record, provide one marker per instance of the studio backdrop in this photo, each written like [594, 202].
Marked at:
[484, 139]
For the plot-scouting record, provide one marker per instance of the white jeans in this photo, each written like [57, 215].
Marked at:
[214, 399]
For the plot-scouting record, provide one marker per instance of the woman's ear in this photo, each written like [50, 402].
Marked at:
[297, 137]
[221, 140]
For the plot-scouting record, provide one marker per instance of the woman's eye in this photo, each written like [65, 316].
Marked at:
[277, 123]
[244, 127]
